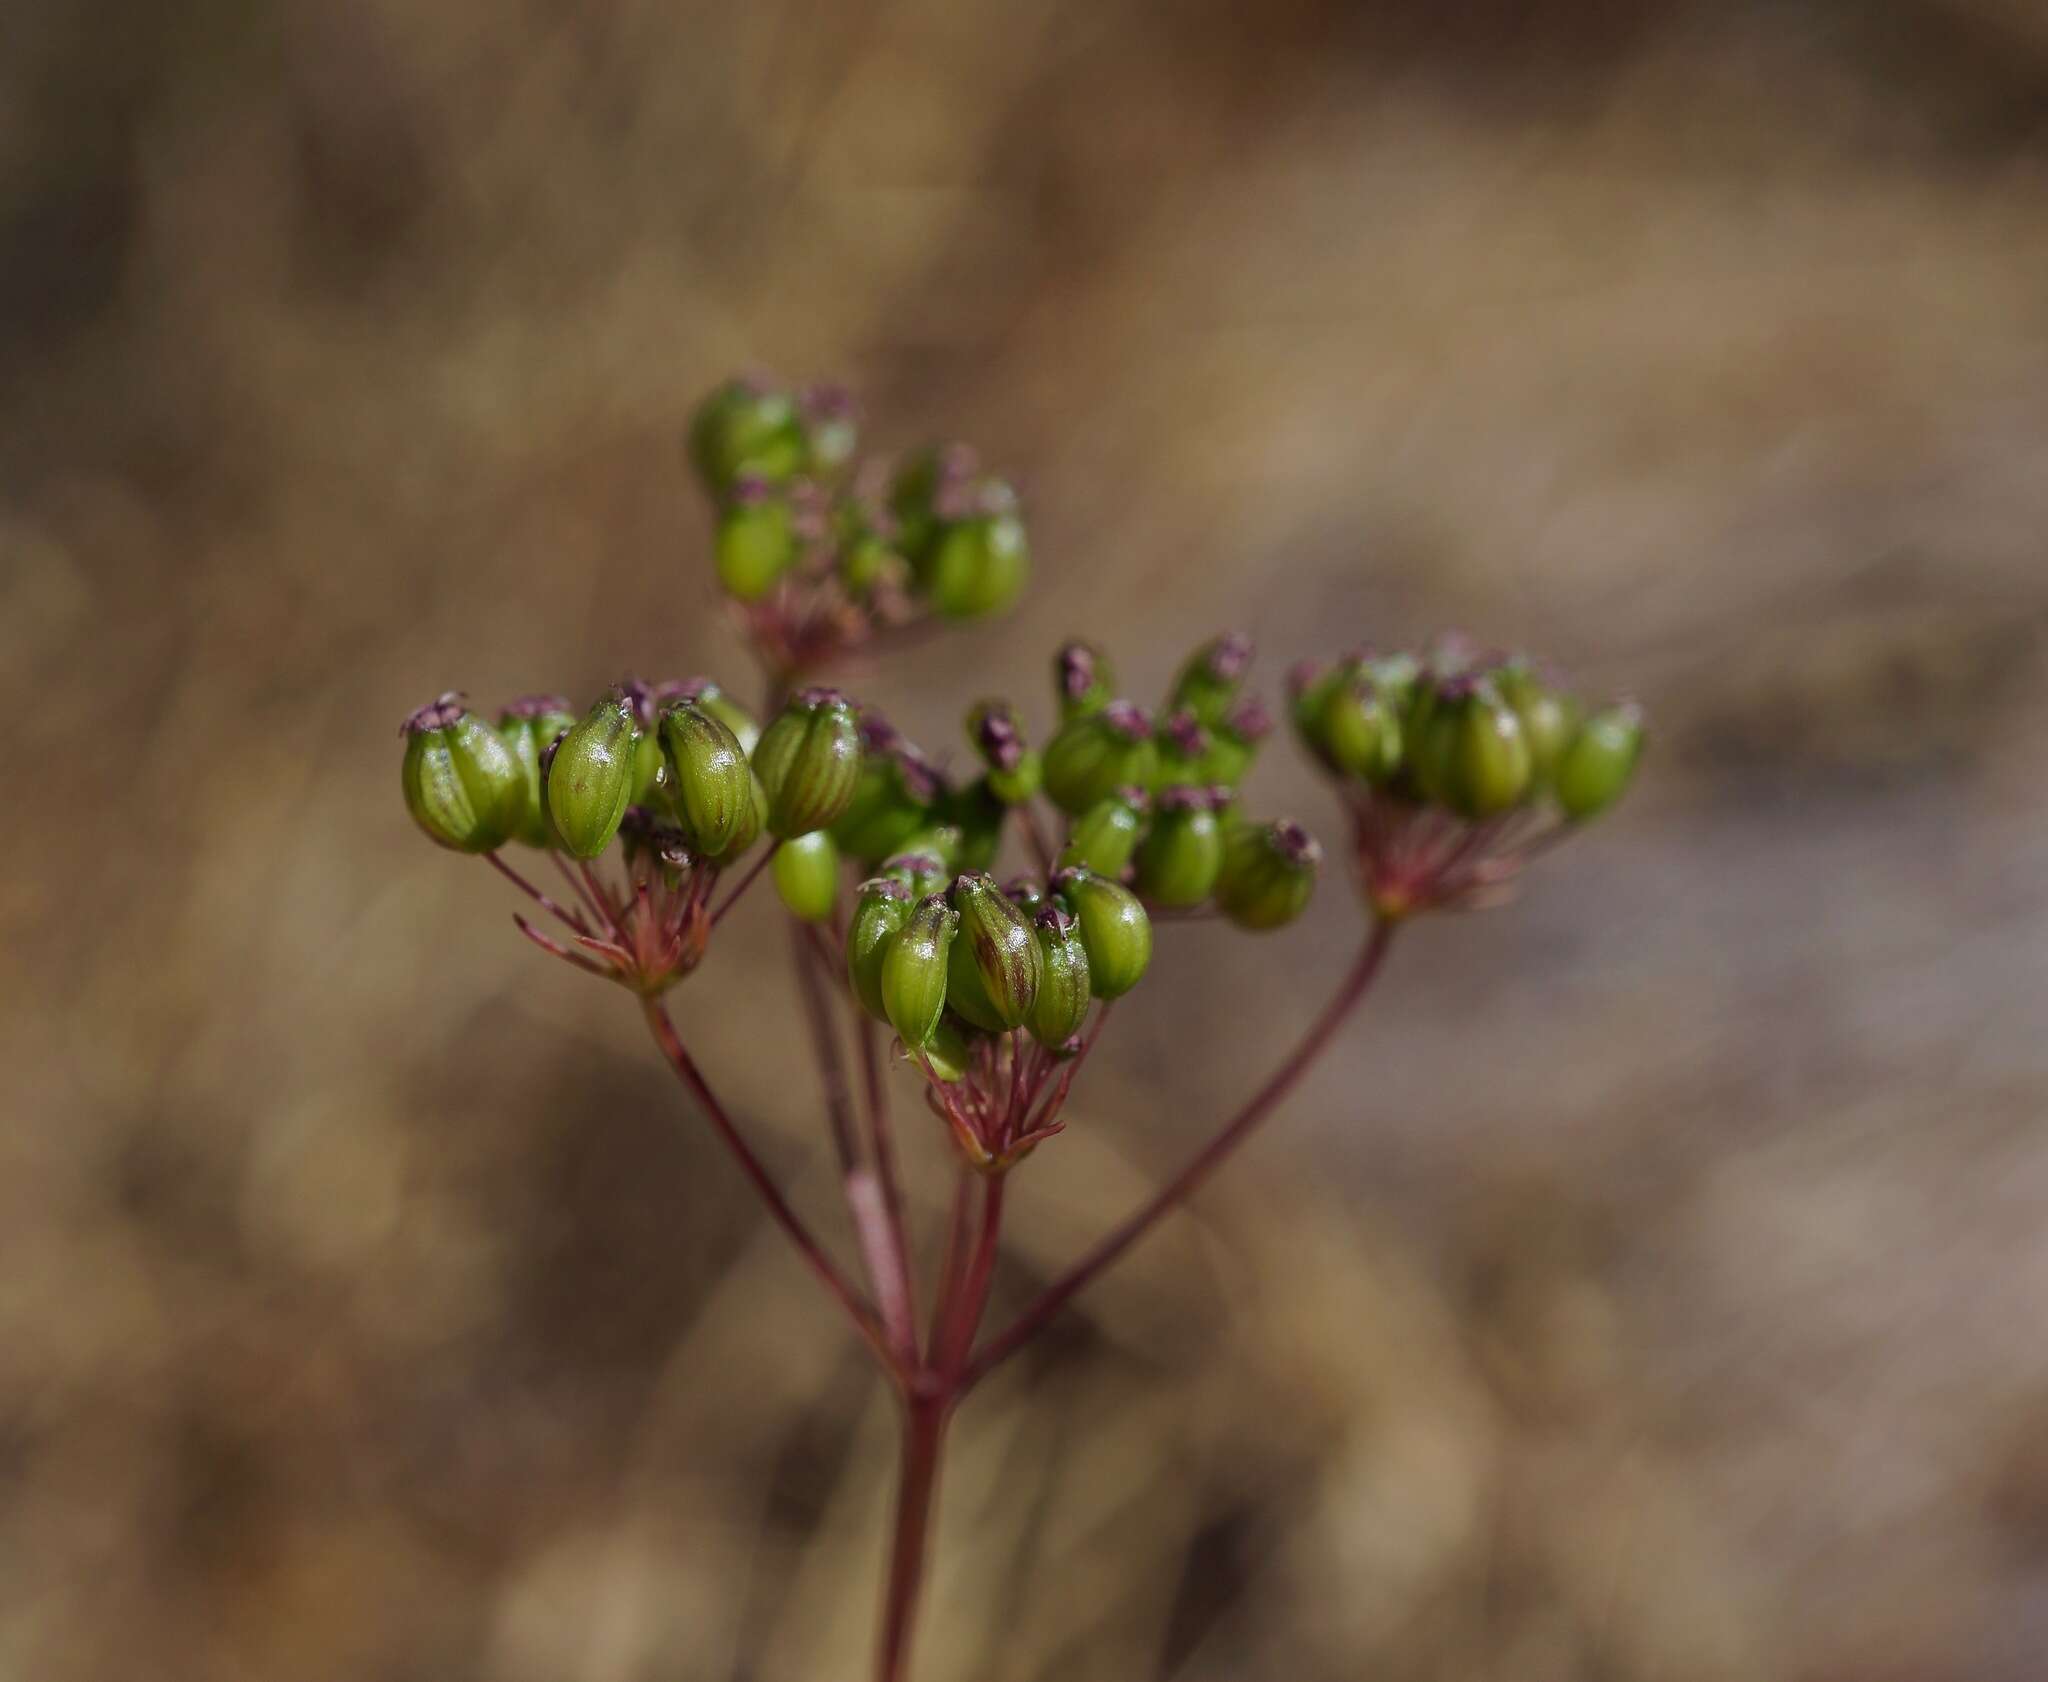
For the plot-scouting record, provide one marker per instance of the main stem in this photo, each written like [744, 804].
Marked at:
[924, 1438]
[1176, 1190]
[928, 1405]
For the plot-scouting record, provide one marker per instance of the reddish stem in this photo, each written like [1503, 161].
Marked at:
[559, 950]
[1171, 1195]
[824, 1045]
[882, 1149]
[924, 1436]
[1034, 836]
[867, 1198]
[745, 882]
[973, 1298]
[952, 1260]
[785, 1217]
[567, 918]
[928, 1406]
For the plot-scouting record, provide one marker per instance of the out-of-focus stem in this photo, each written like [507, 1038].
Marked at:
[813, 1253]
[745, 882]
[1170, 1196]
[917, 1488]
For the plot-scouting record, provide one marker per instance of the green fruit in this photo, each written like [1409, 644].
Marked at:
[747, 429]
[1115, 931]
[1361, 731]
[1082, 679]
[1095, 754]
[880, 909]
[1473, 756]
[703, 693]
[1014, 771]
[1234, 742]
[1064, 990]
[1183, 853]
[994, 964]
[914, 970]
[1210, 680]
[1104, 837]
[1596, 769]
[808, 761]
[977, 566]
[462, 784]
[950, 1049]
[710, 784]
[807, 876]
[590, 778]
[527, 726]
[1268, 875]
[1549, 719]
[756, 542]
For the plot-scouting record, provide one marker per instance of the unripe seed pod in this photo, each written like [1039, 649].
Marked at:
[1228, 805]
[880, 910]
[831, 427]
[590, 779]
[1210, 680]
[1310, 684]
[1269, 873]
[526, 727]
[867, 565]
[1105, 836]
[1184, 746]
[1361, 732]
[1027, 893]
[1114, 929]
[1600, 763]
[923, 873]
[941, 841]
[1549, 719]
[893, 795]
[1063, 986]
[1474, 758]
[462, 784]
[1097, 753]
[747, 428]
[707, 696]
[651, 786]
[950, 1049]
[914, 970]
[1234, 743]
[650, 770]
[710, 782]
[808, 761]
[1014, 770]
[756, 541]
[1183, 853]
[978, 817]
[807, 876]
[752, 821]
[1082, 678]
[1396, 674]
[935, 478]
[994, 965]
[979, 565]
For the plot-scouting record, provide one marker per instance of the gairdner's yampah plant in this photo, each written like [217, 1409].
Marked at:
[972, 934]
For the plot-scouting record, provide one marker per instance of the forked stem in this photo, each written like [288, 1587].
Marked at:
[1170, 1196]
[784, 1216]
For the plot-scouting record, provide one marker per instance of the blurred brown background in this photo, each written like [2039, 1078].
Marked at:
[1655, 1286]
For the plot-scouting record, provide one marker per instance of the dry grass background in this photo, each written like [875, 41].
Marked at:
[1653, 1289]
